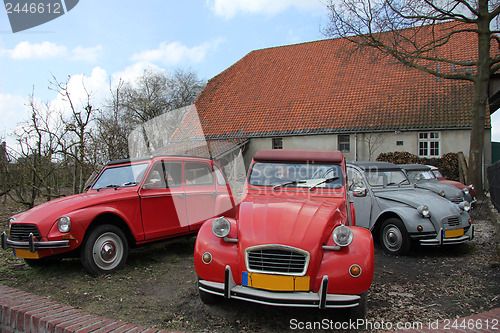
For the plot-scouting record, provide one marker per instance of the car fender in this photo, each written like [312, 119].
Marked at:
[223, 252]
[408, 215]
[82, 219]
[336, 265]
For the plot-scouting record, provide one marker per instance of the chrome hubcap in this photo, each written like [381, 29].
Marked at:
[393, 239]
[108, 251]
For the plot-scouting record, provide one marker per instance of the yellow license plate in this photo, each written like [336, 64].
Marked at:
[453, 233]
[276, 282]
[27, 254]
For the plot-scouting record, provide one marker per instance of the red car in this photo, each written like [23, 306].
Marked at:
[293, 242]
[131, 202]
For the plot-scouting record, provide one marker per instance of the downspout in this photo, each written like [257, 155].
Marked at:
[355, 146]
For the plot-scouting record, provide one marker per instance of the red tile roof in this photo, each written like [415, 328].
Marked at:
[328, 86]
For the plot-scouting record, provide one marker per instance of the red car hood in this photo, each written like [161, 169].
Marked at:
[305, 224]
[47, 213]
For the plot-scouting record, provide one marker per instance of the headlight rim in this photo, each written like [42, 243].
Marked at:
[216, 233]
[465, 206]
[340, 228]
[423, 210]
[62, 222]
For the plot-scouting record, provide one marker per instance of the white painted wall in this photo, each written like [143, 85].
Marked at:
[451, 141]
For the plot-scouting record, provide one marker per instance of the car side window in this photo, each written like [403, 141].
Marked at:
[198, 174]
[155, 178]
[220, 177]
[173, 173]
[354, 178]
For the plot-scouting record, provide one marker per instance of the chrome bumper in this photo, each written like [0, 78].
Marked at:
[32, 244]
[440, 240]
[320, 300]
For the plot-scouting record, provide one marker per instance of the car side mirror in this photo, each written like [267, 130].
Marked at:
[359, 192]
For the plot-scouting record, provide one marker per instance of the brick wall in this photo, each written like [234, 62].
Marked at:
[24, 312]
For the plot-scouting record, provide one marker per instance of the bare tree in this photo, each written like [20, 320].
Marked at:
[112, 128]
[38, 141]
[380, 24]
[77, 120]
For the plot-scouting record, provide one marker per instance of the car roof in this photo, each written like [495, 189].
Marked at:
[148, 158]
[299, 155]
[375, 165]
[419, 167]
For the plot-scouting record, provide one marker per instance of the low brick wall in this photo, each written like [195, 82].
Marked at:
[24, 312]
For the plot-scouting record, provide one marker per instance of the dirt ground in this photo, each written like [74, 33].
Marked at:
[157, 288]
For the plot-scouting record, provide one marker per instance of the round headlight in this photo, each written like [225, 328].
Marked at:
[466, 190]
[424, 211]
[465, 206]
[441, 193]
[221, 227]
[64, 224]
[342, 235]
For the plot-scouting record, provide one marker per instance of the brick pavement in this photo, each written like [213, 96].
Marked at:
[24, 312]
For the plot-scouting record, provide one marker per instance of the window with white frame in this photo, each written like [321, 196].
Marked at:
[429, 144]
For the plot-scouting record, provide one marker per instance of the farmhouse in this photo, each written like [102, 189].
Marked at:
[327, 94]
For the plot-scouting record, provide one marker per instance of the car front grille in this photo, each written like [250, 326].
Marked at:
[456, 200]
[451, 221]
[21, 232]
[277, 260]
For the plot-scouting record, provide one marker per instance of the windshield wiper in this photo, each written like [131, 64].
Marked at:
[129, 183]
[294, 182]
[324, 181]
[398, 184]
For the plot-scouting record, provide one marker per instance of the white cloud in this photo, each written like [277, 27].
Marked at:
[230, 8]
[44, 50]
[175, 53]
[79, 85]
[49, 50]
[89, 54]
[12, 109]
[133, 72]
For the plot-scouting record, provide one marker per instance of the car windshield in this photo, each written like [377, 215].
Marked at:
[283, 174]
[417, 175]
[437, 173]
[386, 178]
[125, 175]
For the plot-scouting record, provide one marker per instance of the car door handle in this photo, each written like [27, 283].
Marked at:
[182, 195]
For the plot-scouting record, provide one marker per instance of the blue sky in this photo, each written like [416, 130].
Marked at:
[101, 41]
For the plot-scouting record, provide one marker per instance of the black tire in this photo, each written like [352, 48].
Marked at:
[394, 237]
[208, 298]
[105, 250]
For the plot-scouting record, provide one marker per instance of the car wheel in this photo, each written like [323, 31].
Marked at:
[394, 237]
[105, 250]
[207, 298]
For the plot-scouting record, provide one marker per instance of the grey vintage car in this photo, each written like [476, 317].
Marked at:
[423, 177]
[398, 213]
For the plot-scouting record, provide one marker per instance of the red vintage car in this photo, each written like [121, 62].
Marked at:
[131, 203]
[293, 242]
